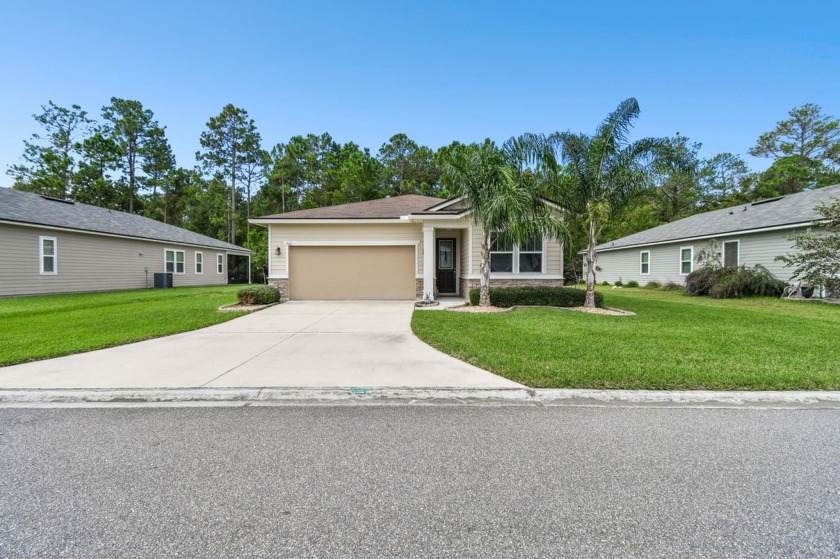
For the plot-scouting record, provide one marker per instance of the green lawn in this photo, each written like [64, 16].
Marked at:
[34, 328]
[674, 342]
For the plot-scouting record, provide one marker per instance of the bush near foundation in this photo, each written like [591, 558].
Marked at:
[732, 282]
[258, 295]
[536, 296]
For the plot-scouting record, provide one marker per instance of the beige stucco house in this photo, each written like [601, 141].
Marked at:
[403, 247]
[749, 234]
[50, 245]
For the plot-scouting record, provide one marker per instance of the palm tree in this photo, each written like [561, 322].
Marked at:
[501, 196]
[592, 177]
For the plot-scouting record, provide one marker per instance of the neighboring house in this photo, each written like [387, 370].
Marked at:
[749, 234]
[402, 247]
[48, 245]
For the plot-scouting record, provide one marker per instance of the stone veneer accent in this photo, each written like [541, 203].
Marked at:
[467, 284]
[282, 286]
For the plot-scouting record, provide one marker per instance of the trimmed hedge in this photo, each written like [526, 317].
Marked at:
[536, 296]
[258, 295]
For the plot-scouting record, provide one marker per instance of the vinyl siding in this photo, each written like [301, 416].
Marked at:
[755, 248]
[88, 262]
[343, 233]
[553, 257]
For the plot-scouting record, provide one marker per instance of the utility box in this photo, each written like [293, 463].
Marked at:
[163, 280]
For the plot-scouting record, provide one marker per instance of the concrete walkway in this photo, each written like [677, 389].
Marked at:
[297, 344]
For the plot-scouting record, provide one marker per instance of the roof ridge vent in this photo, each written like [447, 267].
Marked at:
[776, 199]
[54, 199]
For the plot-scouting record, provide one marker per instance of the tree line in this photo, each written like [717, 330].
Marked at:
[123, 160]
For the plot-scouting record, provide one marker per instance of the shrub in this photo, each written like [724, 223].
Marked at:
[258, 295]
[652, 285]
[619, 283]
[605, 283]
[536, 296]
[671, 286]
[731, 282]
[632, 283]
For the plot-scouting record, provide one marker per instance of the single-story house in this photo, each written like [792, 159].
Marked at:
[50, 245]
[749, 234]
[403, 247]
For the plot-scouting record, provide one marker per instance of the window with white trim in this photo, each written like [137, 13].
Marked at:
[686, 260]
[199, 263]
[220, 263]
[501, 255]
[531, 256]
[731, 250]
[48, 255]
[644, 262]
[174, 261]
[510, 258]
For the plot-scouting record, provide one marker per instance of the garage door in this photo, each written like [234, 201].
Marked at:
[351, 272]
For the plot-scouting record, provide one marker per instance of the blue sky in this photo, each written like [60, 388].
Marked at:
[717, 72]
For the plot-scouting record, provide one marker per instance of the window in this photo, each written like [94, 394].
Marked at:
[48, 255]
[501, 255]
[686, 259]
[644, 262]
[220, 263]
[530, 255]
[199, 263]
[174, 261]
[730, 253]
[512, 259]
[446, 260]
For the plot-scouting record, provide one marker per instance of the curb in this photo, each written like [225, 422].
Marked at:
[415, 396]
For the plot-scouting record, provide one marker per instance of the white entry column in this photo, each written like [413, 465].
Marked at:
[428, 261]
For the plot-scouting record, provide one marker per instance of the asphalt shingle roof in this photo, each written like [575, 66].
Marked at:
[384, 208]
[787, 210]
[26, 207]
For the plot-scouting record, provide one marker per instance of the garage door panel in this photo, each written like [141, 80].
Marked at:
[352, 272]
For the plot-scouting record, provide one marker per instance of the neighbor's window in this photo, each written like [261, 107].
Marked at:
[199, 263]
[174, 261]
[220, 263]
[730, 253]
[501, 255]
[644, 260]
[531, 255]
[49, 255]
[686, 259]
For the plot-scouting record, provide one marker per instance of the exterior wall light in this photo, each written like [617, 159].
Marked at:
[277, 252]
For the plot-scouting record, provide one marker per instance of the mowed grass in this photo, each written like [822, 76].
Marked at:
[33, 328]
[674, 342]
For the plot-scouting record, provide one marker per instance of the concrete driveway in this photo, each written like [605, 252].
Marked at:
[296, 344]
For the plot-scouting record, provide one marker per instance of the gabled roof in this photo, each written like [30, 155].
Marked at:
[29, 208]
[785, 211]
[383, 208]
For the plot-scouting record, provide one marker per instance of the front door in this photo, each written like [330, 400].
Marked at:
[446, 283]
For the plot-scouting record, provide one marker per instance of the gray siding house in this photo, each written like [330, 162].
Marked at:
[49, 245]
[749, 234]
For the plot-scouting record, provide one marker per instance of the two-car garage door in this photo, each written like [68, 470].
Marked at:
[352, 272]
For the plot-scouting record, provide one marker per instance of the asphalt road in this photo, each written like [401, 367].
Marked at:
[410, 481]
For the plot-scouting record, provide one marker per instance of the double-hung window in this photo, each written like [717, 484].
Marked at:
[644, 262]
[531, 256]
[220, 263]
[174, 261]
[686, 260]
[501, 255]
[199, 263]
[48, 255]
[516, 259]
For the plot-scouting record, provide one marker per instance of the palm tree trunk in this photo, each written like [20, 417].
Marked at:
[589, 301]
[484, 282]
